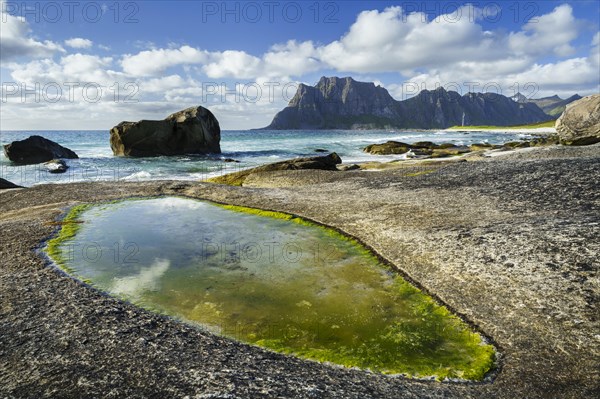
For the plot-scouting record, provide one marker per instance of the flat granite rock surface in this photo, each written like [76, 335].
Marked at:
[510, 243]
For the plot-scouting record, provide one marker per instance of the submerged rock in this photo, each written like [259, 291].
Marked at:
[36, 149]
[194, 130]
[580, 123]
[56, 166]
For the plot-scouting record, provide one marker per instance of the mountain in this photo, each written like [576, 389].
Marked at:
[337, 103]
[553, 105]
[343, 103]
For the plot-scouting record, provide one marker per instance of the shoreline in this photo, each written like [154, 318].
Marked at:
[474, 234]
[538, 130]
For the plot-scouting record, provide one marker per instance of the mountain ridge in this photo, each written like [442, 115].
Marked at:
[344, 103]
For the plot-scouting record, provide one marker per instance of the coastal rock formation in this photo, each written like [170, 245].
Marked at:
[327, 162]
[421, 148]
[36, 149]
[5, 184]
[580, 123]
[343, 103]
[194, 130]
[511, 243]
[387, 148]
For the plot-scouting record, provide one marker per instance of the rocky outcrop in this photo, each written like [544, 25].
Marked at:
[327, 162]
[421, 148]
[580, 123]
[387, 148]
[36, 149]
[427, 149]
[343, 103]
[194, 130]
[5, 184]
[338, 103]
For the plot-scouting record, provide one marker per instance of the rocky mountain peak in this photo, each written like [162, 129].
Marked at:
[344, 103]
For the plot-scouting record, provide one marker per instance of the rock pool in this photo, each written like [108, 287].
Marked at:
[268, 279]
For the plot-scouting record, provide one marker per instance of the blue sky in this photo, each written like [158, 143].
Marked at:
[96, 63]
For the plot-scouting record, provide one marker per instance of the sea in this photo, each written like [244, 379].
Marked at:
[249, 147]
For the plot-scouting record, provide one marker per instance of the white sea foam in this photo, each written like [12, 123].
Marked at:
[143, 175]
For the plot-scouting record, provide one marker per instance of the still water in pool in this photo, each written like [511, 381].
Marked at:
[267, 279]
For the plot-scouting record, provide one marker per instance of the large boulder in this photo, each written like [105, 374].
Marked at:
[192, 131]
[36, 149]
[580, 123]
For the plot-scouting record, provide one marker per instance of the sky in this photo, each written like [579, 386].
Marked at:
[88, 65]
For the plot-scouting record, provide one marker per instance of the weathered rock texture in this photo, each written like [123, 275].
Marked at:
[509, 244]
[36, 149]
[327, 162]
[343, 103]
[580, 123]
[194, 130]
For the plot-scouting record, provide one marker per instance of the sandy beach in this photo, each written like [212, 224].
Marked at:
[509, 243]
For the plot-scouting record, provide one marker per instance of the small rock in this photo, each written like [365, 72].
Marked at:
[5, 184]
[230, 160]
[321, 150]
[56, 166]
[352, 166]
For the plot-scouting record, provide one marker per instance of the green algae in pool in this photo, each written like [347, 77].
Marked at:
[295, 288]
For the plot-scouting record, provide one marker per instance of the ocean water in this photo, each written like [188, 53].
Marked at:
[250, 147]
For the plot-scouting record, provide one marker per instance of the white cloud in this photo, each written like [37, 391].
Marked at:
[16, 41]
[238, 64]
[163, 84]
[78, 42]
[156, 61]
[291, 59]
[450, 48]
[552, 32]
[390, 40]
[82, 68]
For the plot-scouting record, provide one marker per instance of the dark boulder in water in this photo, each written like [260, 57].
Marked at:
[194, 130]
[36, 149]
